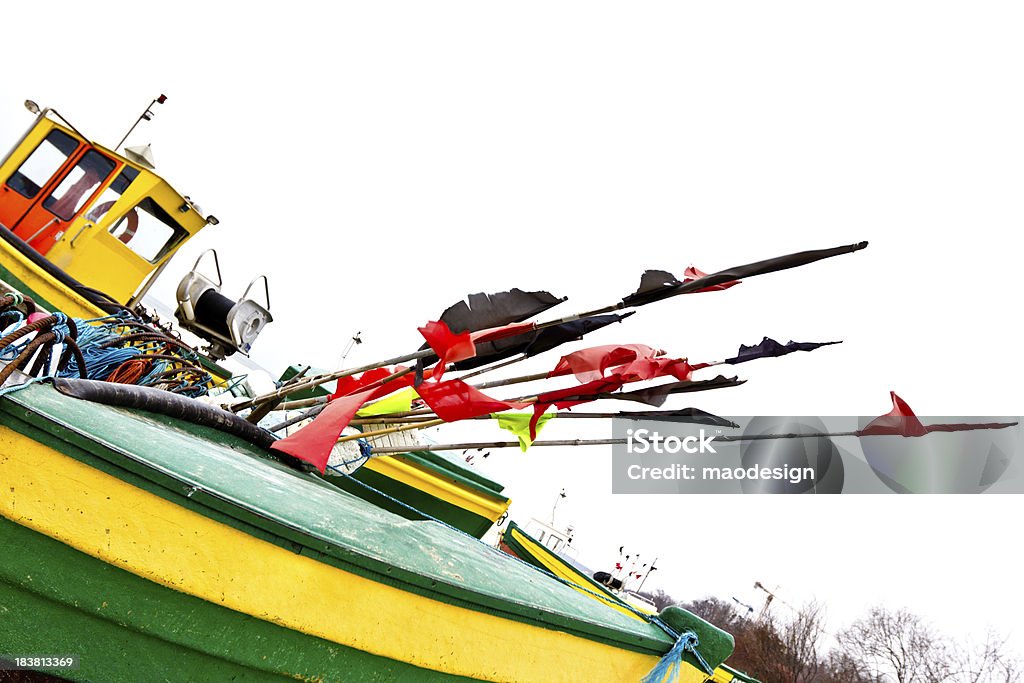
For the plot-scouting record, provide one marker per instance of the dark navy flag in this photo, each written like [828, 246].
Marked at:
[769, 348]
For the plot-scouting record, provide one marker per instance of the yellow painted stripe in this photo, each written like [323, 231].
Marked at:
[721, 676]
[559, 569]
[38, 280]
[428, 481]
[127, 527]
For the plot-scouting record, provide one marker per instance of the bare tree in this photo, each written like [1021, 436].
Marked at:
[883, 647]
[839, 667]
[896, 646]
[986, 663]
[802, 642]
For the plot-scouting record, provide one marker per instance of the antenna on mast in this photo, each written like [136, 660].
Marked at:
[355, 340]
[146, 115]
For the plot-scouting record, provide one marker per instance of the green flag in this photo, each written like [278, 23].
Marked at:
[519, 424]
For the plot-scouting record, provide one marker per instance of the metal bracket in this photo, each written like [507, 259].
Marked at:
[216, 263]
[266, 288]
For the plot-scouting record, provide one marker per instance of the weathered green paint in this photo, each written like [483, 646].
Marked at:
[715, 644]
[56, 600]
[225, 479]
[460, 518]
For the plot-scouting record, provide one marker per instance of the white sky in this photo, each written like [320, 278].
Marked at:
[381, 160]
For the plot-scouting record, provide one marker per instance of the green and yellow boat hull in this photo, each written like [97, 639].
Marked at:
[154, 549]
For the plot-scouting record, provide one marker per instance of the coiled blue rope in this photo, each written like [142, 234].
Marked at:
[669, 667]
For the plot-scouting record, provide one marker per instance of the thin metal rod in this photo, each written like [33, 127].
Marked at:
[142, 117]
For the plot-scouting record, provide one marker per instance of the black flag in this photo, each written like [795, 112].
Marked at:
[483, 311]
[656, 285]
[536, 342]
[655, 396]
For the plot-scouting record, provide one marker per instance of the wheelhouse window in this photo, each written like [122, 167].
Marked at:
[76, 188]
[44, 161]
[148, 230]
[112, 194]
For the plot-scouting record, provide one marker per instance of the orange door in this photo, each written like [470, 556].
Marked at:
[55, 202]
[36, 176]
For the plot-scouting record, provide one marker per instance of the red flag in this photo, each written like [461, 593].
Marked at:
[900, 421]
[692, 273]
[651, 368]
[351, 384]
[449, 346]
[313, 443]
[455, 400]
[592, 363]
[452, 347]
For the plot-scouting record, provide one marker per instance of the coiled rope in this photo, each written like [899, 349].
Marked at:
[113, 348]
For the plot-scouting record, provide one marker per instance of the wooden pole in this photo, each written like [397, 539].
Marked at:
[390, 430]
[303, 403]
[476, 445]
[566, 415]
[488, 368]
[321, 379]
[261, 411]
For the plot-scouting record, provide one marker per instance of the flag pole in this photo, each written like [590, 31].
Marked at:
[476, 445]
[387, 419]
[479, 445]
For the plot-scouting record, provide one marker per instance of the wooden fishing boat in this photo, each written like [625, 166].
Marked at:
[167, 550]
[517, 542]
[152, 545]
